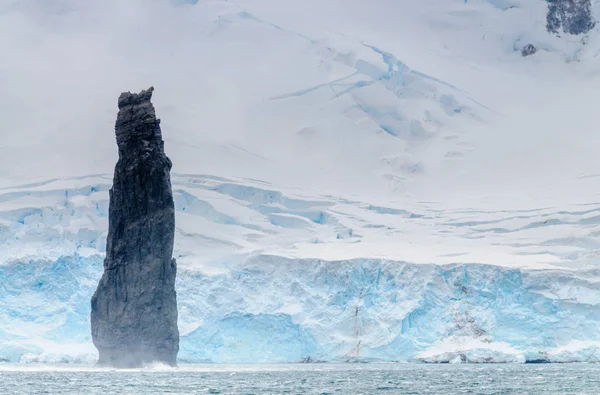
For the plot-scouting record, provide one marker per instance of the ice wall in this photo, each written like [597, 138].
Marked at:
[240, 302]
[269, 309]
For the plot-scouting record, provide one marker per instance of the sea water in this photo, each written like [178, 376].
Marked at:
[305, 379]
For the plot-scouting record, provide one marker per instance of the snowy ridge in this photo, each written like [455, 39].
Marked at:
[218, 217]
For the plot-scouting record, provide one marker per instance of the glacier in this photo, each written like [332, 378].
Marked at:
[269, 309]
[255, 304]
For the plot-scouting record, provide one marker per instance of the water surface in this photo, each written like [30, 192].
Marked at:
[305, 379]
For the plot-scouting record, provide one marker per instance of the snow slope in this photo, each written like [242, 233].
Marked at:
[382, 180]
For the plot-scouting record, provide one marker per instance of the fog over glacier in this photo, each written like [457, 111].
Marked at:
[354, 181]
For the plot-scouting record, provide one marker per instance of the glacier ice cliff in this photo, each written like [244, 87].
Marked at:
[134, 308]
[248, 289]
[272, 309]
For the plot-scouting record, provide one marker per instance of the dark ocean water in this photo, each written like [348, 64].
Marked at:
[305, 379]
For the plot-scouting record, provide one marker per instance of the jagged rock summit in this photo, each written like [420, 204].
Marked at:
[134, 308]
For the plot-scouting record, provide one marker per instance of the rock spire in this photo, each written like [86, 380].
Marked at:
[134, 308]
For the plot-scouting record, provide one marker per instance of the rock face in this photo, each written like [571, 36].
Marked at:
[528, 50]
[134, 308]
[570, 16]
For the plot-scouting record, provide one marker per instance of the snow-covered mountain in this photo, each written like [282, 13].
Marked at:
[382, 180]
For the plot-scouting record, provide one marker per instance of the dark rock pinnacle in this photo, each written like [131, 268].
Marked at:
[134, 308]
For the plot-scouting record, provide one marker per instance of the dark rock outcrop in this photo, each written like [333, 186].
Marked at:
[570, 16]
[134, 308]
[528, 50]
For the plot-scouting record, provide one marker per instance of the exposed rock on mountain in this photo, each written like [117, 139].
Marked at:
[528, 50]
[570, 16]
[134, 309]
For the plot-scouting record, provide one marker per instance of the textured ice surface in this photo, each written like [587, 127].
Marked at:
[239, 303]
[273, 309]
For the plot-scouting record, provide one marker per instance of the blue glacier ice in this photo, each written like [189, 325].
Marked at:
[249, 338]
[239, 307]
[269, 309]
